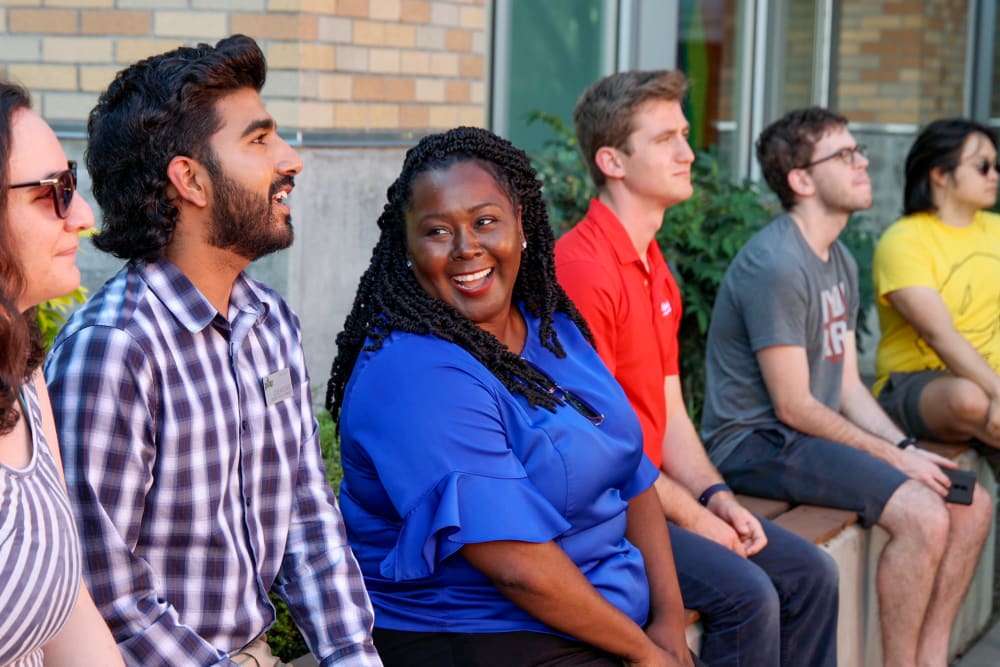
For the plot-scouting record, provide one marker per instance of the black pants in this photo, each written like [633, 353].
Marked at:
[502, 649]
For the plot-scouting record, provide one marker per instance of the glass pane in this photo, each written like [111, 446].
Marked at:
[995, 96]
[556, 51]
[795, 89]
[707, 54]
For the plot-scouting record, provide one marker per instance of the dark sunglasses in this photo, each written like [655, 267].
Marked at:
[566, 397]
[984, 166]
[63, 186]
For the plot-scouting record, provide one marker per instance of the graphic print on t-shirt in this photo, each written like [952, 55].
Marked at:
[834, 303]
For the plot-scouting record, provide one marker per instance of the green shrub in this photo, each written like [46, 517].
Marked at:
[52, 314]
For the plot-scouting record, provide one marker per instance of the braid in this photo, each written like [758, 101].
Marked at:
[389, 298]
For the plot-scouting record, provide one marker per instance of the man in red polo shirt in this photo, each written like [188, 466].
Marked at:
[766, 597]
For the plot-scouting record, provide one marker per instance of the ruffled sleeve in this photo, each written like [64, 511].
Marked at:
[466, 509]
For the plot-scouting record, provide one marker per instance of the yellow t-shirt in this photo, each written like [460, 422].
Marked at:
[962, 264]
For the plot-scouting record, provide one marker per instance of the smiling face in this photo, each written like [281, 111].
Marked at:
[252, 170]
[463, 236]
[44, 244]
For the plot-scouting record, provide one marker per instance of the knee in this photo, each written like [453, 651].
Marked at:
[975, 519]
[818, 582]
[753, 599]
[969, 403]
[921, 514]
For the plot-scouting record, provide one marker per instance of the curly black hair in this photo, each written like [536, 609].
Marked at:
[21, 349]
[153, 111]
[389, 298]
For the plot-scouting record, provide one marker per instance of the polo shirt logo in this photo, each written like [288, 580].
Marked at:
[666, 308]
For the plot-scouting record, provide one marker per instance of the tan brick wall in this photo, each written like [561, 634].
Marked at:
[901, 61]
[355, 65]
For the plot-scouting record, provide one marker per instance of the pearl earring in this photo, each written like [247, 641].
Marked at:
[524, 244]
[409, 263]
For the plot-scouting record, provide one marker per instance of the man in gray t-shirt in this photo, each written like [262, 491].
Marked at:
[786, 414]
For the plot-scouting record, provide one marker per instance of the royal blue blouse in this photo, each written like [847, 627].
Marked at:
[437, 454]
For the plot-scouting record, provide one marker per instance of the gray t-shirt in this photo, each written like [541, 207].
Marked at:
[777, 291]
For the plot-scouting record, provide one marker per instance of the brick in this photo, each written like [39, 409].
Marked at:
[231, 5]
[383, 116]
[152, 4]
[22, 3]
[67, 106]
[457, 92]
[95, 78]
[47, 77]
[444, 13]
[402, 36]
[472, 17]
[285, 55]
[352, 58]
[369, 33]
[444, 64]
[471, 67]
[478, 93]
[431, 37]
[285, 113]
[76, 50]
[282, 83]
[385, 61]
[44, 21]
[315, 115]
[429, 90]
[3, 20]
[479, 42]
[416, 62]
[204, 25]
[334, 87]
[443, 117]
[415, 11]
[399, 90]
[80, 4]
[334, 29]
[116, 23]
[304, 6]
[132, 50]
[367, 88]
[413, 116]
[349, 116]
[275, 26]
[386, 10]
[356, 8]
[474, 116]
[458, 40]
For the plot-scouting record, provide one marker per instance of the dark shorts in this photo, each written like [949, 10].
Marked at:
[781, 463]
[900, 398]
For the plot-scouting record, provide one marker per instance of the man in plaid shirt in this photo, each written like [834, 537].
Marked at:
[180, 389]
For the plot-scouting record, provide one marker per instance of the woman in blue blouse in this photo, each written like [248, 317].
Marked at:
[495, 491]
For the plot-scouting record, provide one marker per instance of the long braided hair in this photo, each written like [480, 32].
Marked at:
[389, 298]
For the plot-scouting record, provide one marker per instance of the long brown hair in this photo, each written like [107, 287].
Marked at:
[21, 348]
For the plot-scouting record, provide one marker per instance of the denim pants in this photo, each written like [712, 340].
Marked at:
[778, 607]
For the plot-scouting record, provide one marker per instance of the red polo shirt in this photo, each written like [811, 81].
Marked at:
[633, 313]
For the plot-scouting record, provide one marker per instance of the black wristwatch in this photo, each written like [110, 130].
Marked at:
[906, 442]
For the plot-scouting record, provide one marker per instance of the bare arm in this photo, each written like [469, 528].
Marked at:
[927, 313]
[542, 580]
[687, 472]
[786, 374]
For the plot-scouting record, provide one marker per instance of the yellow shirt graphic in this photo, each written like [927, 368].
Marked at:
[961, 264]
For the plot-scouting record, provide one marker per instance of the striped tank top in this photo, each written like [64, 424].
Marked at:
[39, 550]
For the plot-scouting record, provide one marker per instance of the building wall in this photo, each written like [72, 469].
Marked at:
[353, 83]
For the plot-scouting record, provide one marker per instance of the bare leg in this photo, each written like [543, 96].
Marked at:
[917, 522]
[969, 527]
[956, 408]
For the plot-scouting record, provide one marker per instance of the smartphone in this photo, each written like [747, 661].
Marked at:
[962, 484]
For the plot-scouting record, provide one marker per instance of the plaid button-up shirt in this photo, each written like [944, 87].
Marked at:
[196, 491]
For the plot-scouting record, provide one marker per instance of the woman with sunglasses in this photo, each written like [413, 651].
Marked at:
[495, 492]
[46, 615]
[937, 279]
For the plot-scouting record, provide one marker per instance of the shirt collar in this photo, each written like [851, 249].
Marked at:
[614, 231]
[186, 302]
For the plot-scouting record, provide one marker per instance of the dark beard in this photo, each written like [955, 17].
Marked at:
[243, 221]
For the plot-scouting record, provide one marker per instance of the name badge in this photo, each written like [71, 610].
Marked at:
[277, 386]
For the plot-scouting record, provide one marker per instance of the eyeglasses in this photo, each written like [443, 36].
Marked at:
[566, 397]
[845, 155]
[63, 186]
[983, 166]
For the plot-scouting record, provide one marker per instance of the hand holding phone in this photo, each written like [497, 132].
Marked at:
[962, 484]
